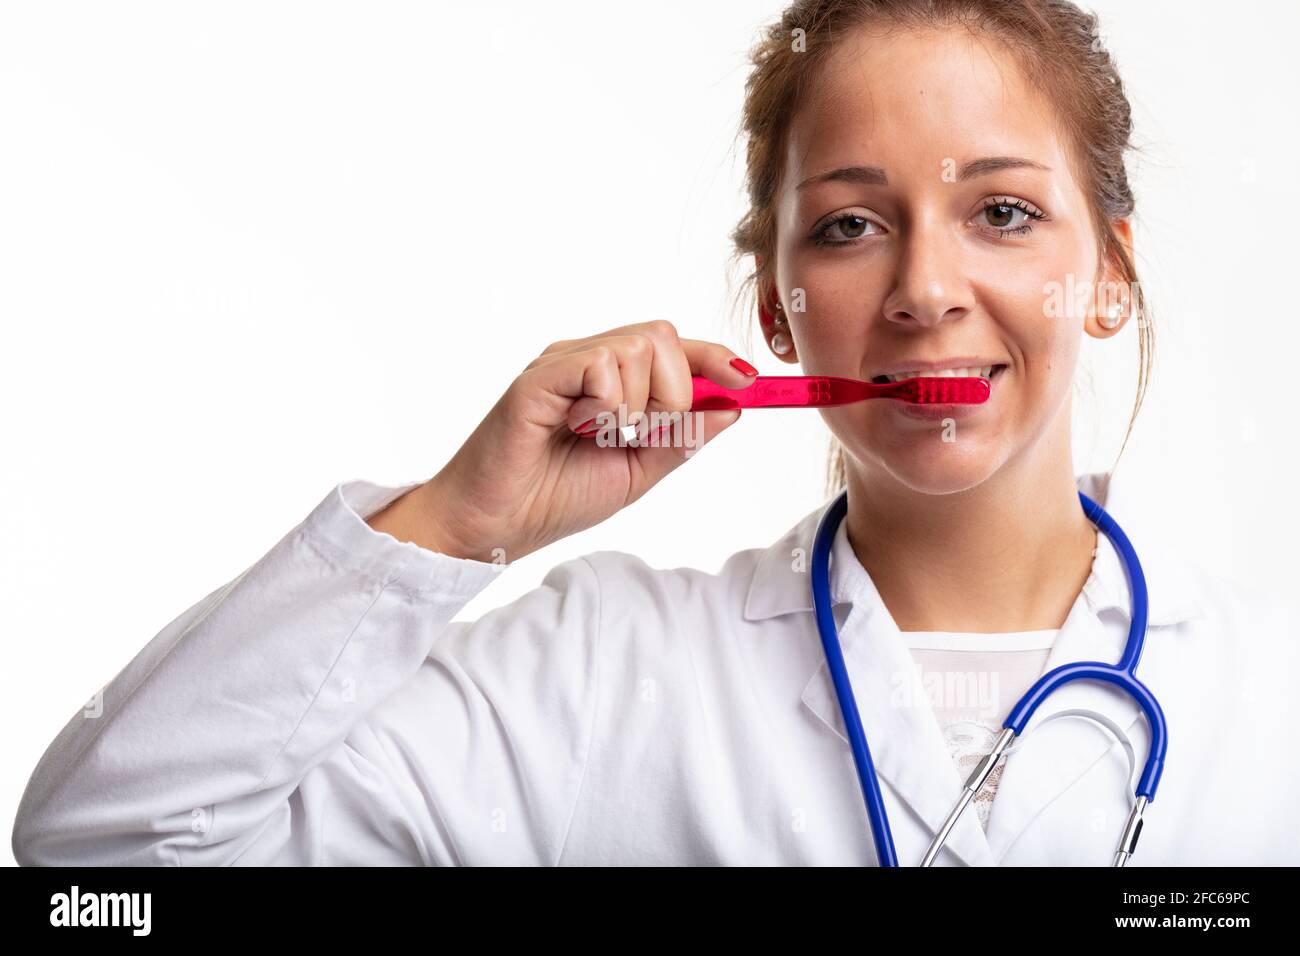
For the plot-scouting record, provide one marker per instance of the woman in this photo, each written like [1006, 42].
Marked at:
[931, 184]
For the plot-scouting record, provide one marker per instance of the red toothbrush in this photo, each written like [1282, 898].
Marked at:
[817, 391]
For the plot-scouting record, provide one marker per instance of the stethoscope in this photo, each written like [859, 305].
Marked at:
[1121, 675]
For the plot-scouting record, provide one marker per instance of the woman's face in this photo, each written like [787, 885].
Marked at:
[913, 250]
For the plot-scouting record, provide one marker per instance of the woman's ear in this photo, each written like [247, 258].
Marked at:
[1114, 300]
[772, 318]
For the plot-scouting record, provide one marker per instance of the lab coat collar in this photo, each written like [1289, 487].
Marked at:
[907, 744]
[1172, 591]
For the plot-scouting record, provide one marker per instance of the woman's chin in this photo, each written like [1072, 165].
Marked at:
[937, 467]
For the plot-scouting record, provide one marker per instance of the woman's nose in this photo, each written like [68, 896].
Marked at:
[930, 284]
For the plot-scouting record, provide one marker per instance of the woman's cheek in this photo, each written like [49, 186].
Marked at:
[1053, 358]
[836, 301]
[833, 339]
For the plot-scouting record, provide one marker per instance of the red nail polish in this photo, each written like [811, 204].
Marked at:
[743, 366]
[585, 426]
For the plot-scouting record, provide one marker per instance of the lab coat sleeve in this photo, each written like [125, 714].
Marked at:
[322, 708]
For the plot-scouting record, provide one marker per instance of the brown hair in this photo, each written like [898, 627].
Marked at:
[1059, 49]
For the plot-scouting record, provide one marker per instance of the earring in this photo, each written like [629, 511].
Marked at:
[1111, 319]
[778, 309]
[781, 343]
[769, 313]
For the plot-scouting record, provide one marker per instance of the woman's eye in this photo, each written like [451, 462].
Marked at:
[843, 229]
[1010, 217]
[1006, 216]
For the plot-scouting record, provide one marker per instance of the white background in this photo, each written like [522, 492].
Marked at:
[249, 250]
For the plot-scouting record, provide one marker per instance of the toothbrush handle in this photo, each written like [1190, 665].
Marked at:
[766, 391]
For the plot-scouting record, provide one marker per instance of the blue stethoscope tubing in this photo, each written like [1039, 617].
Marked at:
[1121, 675]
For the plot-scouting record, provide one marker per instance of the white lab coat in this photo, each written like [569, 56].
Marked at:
[321, 709]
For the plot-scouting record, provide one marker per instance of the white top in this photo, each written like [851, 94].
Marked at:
[971, 681]
[322, 707]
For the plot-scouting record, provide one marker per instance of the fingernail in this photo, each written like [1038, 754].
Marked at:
[585, 426]
[741, 365]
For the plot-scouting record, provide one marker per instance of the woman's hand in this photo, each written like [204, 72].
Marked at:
[525, 479]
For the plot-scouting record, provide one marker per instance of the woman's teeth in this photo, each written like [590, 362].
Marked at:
[982, 372]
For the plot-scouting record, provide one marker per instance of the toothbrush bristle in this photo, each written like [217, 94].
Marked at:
[947, 390]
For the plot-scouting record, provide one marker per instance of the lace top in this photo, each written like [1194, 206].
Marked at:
[972, 681]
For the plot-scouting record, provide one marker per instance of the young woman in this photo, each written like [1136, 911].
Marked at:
[932, 183]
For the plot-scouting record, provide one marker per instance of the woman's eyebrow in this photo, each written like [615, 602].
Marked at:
[875, 176]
